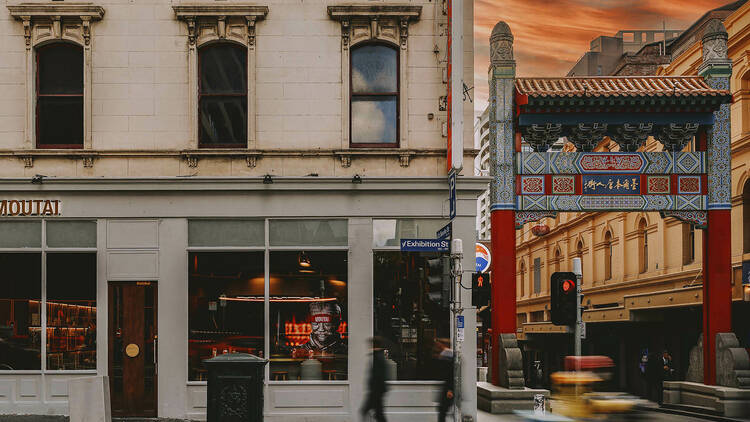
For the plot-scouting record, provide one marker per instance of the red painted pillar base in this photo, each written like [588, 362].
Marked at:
[717, 288]
[503, 227]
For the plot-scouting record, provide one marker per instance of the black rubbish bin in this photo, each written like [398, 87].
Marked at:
[235, 388]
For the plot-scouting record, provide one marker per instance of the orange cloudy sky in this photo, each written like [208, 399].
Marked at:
[551, 35]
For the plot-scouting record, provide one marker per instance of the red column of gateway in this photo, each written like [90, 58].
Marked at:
[503, 226]
[717, 288]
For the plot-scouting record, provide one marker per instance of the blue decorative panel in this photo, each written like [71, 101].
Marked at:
[608, 162]
[596, 184]
[612, 203]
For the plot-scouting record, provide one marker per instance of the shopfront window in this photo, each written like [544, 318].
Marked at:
[20, 311]
[406, 315]
[67, 289]
[71, 311]
[388, 232]
[225, 308]
[308, 315]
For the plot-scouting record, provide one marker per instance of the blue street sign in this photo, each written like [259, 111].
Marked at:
[452, 194]
[445, 232]
[459, 321]
[424, 245]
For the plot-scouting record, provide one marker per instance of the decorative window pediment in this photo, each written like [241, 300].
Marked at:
[216, 22]
[375, 24]
[49, 21]
[368, 22]
[210, 21]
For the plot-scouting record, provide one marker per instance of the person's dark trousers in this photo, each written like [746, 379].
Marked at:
[375, 403]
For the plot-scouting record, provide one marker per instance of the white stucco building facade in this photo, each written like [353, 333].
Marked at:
[225, 177]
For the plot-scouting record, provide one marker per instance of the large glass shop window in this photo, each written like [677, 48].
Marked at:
[71, 311]
[225, 308]
[20, 311]
[69, 288]
[405, 314]
[308, 315]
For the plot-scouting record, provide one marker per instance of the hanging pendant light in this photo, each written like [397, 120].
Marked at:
[540, 229]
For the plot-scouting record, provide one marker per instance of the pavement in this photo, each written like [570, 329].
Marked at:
[648, 416]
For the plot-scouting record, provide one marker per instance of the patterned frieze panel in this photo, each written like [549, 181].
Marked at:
[697, 218]
[611, 184]
[607, 162]
[532, 216]
[502, 143]
[586, 203]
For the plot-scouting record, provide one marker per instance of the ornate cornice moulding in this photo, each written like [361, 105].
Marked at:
[20, 10]
[367, 11]
[184, 10]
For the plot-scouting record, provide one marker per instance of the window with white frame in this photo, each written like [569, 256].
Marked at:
[58, 78]
[374, 45]
[221, 72]
[295, 271]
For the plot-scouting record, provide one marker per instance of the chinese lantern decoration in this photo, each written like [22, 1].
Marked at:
[540, 229]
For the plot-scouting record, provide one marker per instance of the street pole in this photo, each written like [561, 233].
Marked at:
[456, 272]
[578, 327]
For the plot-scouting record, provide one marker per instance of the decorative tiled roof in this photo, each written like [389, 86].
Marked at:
[634, 86]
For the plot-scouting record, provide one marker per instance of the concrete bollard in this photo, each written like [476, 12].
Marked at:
[88, 399]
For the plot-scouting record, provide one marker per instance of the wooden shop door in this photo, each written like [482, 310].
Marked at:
[132, 348]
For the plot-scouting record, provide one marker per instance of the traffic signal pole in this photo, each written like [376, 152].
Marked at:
[457, 307]
[579, 322]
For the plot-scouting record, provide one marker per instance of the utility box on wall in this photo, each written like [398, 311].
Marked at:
[235, 388]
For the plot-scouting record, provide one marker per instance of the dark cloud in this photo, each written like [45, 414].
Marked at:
[551, 35]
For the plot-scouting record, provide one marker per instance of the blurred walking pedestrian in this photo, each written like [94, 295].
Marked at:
[376, 386]
[444, 360]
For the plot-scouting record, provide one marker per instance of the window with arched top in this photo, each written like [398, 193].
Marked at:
[607, 255]
[579, 253]
[522, 286]
[222, 95]
[746, 217]
[688, 243]
[642, 246]
[59, 96]
[374, 102]
[558, 257]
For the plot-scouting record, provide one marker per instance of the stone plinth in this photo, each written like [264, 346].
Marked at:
[88, 399]
[711, 399]
[495, 399]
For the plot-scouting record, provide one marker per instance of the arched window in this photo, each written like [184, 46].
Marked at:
[222, 95]
[607, 255]
[579, 254]
[688, 243]
[59, 96]
[746, 217]
[374, 96]
[557, 259]
[642, 246]
[523, 279]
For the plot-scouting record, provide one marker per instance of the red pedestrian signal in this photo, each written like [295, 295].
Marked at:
[563, 298]
[568, 285]
[480, 289]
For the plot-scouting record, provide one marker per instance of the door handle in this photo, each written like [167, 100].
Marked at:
[156, 366]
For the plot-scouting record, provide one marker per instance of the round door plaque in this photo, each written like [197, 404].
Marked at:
[132, 350]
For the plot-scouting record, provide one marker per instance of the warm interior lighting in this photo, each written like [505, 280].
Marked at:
[338, 283]
[281, 299]
[304, 260]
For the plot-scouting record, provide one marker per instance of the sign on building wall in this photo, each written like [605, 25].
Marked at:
[30, 207]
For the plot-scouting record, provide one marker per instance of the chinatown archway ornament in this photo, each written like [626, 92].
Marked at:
[693, 186]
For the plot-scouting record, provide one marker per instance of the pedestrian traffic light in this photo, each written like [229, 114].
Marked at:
[563, 301]
[439, 280]
[480, 289]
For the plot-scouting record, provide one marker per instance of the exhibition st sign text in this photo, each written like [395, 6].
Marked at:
[29, 207]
